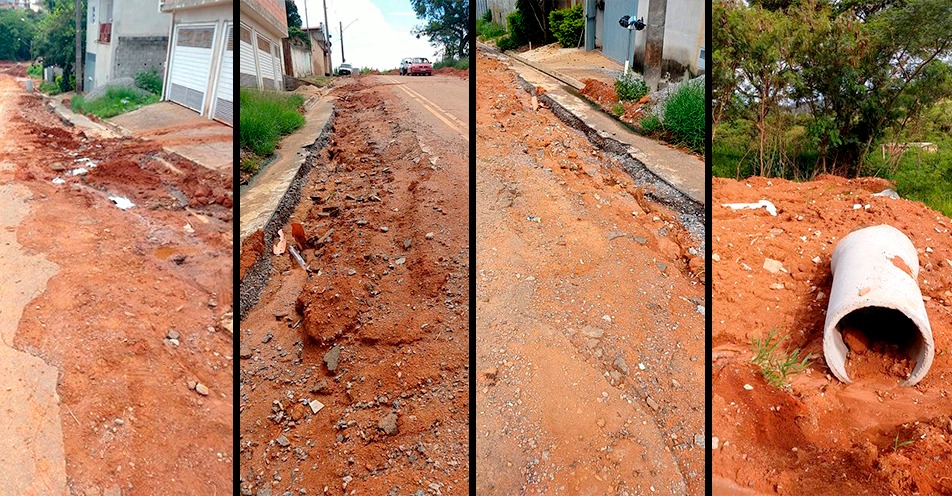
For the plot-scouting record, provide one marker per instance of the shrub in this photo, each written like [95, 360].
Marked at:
[618, 109]
[630, 87]
[487, 16]
[567, 25]
[149, 81]
[518, 32]
[35, 71]
[489, 30]
[684, 115]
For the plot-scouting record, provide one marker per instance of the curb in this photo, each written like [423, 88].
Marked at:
[260, 272]
[692, 211]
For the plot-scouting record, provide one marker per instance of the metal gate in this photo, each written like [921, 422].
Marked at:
[615, 37]
[189, 68]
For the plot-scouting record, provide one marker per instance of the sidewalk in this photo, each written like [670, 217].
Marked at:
[558, 72]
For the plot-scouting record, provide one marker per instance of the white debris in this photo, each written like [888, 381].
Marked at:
[78, 171]
[315, 405]
[771, 209]
[58, 180]
[748, 387]
[122, 202]
[887, 193]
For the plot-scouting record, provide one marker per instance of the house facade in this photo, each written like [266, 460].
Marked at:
[124, 38]
[200, 63]
[320, 50]
[264, 24]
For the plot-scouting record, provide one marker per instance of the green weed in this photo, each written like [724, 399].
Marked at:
[630, 87]
[684, 115]
[117, 100]
[774, 364]
[266, 116]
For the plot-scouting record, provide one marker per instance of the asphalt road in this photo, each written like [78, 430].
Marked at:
[438, 101]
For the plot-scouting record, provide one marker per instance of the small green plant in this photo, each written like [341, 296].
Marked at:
[567, 25]
[618, 109]
[899, 444]
[774, 365]
[518, 32]
[630, 87]
[651, 124]
[49, 88]
[487, 16]
[149, 81]
[35, 71]
[684, 115]
[489, 30]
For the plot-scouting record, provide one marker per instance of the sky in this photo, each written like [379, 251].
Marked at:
[379, 37]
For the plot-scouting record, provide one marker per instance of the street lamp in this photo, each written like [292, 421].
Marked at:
[630, 23]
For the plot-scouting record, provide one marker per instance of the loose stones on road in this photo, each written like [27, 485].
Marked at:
[388, 423]
[332, 357]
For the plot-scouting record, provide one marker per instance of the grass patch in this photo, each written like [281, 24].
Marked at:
[35, 71]
[899, 444]
[651, 124]
[775, 365]
[117, 100]
[265, 116]
[319, 81]
[49, 88]
[618, 109]
[684, 115]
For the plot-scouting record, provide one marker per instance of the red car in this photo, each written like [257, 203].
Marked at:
[419, 65]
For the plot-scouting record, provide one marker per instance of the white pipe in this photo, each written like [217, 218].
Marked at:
[876, 268]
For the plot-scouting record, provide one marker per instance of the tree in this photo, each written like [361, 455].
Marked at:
[294, 24]
[16, 33]
[447, 25]
[54, 39]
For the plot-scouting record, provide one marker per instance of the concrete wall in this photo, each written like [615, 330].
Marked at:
[138, 18]
[298, 58]
[139, 54]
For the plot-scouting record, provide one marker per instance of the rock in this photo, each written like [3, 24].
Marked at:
[491, 373]
[315, 405]
[640, 240]
[600, 422]
[58, 166]
[388, 423]
[620, 365]
[675, 383]
[748, 387]
[320, 387]
[715, 443]
[661, 266]
[265, 491]
[776, 285]
[282, 440]
[593, 332]
[267, 337]
[245, 351]
[191, 385]
[772, 266]
[700, 309]
[652, 403]
[715, 257]
[699, 440]
[172, 334]
[616, 377]
[332, 357]
[112, 491]
[407, 243]
[201, 389]
[384, 229]
[429, 235]
[175, 342]
[280, 314]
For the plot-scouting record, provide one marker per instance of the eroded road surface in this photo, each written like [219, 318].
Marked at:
[589, 325]
[94, 395]
[354, 373]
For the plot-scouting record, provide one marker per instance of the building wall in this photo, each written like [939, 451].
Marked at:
[683, 36]
[250, 70]
[139, 54]
[299, 59]
[139, 18]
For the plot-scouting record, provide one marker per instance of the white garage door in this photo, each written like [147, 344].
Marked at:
[247, 71]
[266, 62]
[224, 95]
[190, 65]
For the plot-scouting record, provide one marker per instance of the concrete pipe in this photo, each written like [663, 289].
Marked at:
[875, 292]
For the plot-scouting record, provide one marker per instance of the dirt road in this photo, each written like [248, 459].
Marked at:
[354, 374]
[97, 394]
[820, 436]
[589, 325]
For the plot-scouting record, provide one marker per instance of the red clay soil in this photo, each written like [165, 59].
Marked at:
[589, 329]
[820, 436]
[452, 71]
[604, 95]
[127, 279]
[377, 331]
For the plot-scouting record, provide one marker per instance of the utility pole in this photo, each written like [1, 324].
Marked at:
[654, 44]
[342, 59]
[79, 50]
